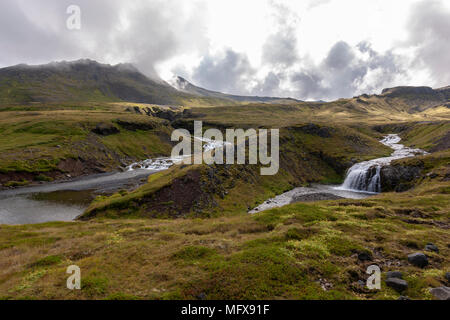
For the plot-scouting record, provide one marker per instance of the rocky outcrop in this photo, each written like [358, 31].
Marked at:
[399, 178]
[105, 129]
[314, 129]
[402, 91]
[134, 126]
[162, 113]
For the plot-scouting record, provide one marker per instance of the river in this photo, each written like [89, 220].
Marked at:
[362, 180]
[65, 201]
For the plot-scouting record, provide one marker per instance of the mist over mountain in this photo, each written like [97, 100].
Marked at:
[88, 80]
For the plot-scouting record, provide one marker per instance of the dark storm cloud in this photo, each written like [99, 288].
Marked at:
[35, 31]
[429, 32]
[227, 72]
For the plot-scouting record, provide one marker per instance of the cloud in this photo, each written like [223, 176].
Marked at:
[347, 71]
[429, 33]
[280, 48]
[178, 35]
[142, 32]
[315, 3]
[228, 72]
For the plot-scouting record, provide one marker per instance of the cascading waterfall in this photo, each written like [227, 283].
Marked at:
[365, 176]
[161, 164]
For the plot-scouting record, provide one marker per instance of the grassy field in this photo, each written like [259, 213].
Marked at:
[292, 252]
[131, 247]
[309, 153]
[57, 139]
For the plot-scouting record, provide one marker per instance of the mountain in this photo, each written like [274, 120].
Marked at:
[418, 98]
[82, 80]
[88, 80]
[185, 86]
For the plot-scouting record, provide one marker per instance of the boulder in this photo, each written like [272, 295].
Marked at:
[431, 247]
[398, 178]
[394, 274]
[398, 285]
[364, 256]
[447, 276]
[441, 293]
[418, 259]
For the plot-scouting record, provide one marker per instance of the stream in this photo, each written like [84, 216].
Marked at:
[362, 180]
[64, 201]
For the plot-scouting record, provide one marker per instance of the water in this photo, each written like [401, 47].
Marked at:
[365, 176]
[164, 163]
[62, 201]
[362, 180]
[65, 201]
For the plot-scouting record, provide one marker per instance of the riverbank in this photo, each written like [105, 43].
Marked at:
[300, 251]
[362, 180]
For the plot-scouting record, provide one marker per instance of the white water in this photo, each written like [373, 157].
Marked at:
[365, 176]
[164, 163]
[362, 181]
[18, 206]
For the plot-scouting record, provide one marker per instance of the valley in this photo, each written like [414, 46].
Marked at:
[77, 188]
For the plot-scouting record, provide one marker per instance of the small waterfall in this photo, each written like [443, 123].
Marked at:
[161, 164]
[365, 176]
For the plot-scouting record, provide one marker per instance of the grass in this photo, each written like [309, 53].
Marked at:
[33, 147]
[306, 156]
[216, 250]
[280, 253]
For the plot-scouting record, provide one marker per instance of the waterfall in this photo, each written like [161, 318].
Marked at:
[365, 176]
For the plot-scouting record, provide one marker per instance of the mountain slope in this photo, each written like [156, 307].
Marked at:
[185, 86]
[82, 80]
[88, 80]
[418, 98]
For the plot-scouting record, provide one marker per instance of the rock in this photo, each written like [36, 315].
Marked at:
[398, 285]
[398, 178]
[432, 175]
[418, 259]
[361, 283]
[431, 247]
[201, 296]
[314, 129]
[314, 197]
[441, 293]
[447, 276]
[403, 298]
[134, 126]
[410, 92]
[364, 256]
[394, 274]
[105, 129]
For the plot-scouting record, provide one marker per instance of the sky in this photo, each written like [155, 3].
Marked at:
[305, 49]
